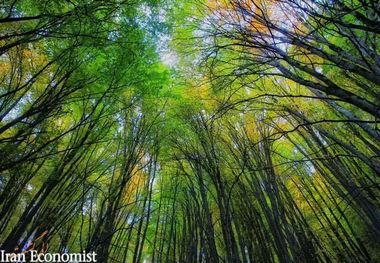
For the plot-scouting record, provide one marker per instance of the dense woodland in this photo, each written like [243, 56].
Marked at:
[235, 131]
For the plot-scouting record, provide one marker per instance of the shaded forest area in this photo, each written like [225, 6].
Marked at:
[235, 131]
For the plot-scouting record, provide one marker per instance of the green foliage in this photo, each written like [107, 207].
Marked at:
[191, 131]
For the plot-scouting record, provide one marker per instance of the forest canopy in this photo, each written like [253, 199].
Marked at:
[235, 131]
